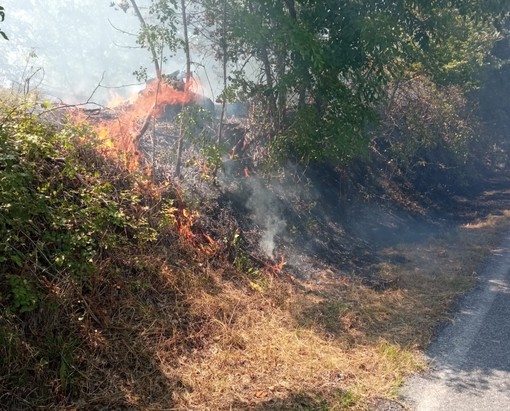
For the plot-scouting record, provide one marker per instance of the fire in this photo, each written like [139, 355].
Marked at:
[119, 137]
[157, 96]
[116, 100]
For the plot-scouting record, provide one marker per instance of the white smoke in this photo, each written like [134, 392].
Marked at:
[266, 213]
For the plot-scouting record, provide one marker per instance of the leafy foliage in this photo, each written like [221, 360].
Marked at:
[59, 210]
[66, 215]
[427, 136]
[316, 72]
[322, 67]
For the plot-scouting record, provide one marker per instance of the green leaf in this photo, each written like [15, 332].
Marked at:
[4, 35]
[17, 260]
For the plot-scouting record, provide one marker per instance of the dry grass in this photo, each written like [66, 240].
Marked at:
[261, 358]
[157, 336]
[333, 344]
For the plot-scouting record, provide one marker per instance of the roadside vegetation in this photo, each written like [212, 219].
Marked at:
[113, 294]
[124, 286]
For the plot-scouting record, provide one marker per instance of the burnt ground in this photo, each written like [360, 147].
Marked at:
[327, 222]
[322, 219]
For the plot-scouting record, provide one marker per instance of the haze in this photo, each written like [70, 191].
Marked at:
[62, 48]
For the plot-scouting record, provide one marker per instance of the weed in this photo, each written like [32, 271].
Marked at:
[25, 297]
[344, 400]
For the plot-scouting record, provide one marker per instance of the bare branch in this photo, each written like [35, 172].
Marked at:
[126, 47]
[122, 86]
[145, 124]
[122, 31]
[88, 102]
[96, 88]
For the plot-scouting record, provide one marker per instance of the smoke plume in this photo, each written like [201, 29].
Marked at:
[266, 214]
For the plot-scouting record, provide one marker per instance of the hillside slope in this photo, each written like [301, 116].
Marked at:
[119, 293]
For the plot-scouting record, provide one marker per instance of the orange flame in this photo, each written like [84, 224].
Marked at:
[185, 221]
[277, 267]
[119, 137]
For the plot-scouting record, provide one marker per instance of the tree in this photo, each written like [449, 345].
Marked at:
[160, 36]
[319, 70]
[224, 59]
[182, 133]
[148, 39]
[323, 67]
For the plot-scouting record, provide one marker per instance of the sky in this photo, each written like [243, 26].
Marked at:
[66, 48]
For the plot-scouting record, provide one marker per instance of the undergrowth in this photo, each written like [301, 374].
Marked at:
[114, 294]
[86, 254]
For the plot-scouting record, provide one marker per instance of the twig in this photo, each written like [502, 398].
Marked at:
[95, 89]
[89, 310]
[127, 47]
[122, 31]
[207, 77]
[123, 85]
[145, 124]
[88, 102]
[27, 81]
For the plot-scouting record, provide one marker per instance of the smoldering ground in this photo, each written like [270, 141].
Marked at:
[316, 219]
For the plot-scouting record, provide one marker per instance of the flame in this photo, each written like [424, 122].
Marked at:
[117, 100]
[185, 221]
[119, 137]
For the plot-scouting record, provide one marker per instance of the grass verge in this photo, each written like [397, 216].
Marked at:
[113, 297]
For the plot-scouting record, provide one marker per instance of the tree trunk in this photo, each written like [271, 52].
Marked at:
[186, 40]
[282, 93]
[225, 60]
[151, 45]
[182, 129]
[273, 109]
[298, 60]
[270, 95]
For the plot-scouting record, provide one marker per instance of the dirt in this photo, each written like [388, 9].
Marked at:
[383, 404]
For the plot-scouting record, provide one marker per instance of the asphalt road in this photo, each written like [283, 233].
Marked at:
[470, 359]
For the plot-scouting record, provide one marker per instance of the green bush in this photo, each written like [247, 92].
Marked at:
[68, 216]
[427, 133]
[62, 206]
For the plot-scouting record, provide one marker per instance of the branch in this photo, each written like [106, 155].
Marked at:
[151, 44]
[122, 86]
[95, 89]
[88, 102]
[120, 30]
[26, 87]
[126, 47]
[207, 77]
[145, 124]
